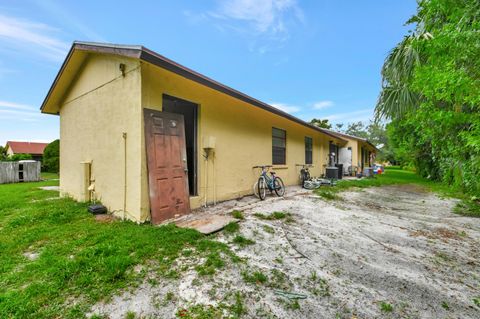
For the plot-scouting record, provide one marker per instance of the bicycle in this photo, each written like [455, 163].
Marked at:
[273, 183]
[307, 181]
[304, 173]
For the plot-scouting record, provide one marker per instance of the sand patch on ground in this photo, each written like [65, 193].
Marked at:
[396, 245]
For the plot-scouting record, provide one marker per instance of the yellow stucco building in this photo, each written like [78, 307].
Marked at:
[102, 93]
[355, 154]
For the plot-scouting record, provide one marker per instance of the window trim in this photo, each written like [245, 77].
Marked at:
[284, 162]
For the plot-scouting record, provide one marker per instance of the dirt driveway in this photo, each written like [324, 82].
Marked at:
[390, 252]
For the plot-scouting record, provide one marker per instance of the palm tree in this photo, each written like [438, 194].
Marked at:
[396, 97]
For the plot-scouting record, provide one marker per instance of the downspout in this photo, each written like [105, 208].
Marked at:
[206, 176]
[124, 135]
[214, 181]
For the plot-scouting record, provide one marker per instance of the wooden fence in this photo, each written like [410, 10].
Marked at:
[21, 171]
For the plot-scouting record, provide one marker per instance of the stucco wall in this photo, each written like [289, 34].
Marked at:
[99, 107]
[243, 137]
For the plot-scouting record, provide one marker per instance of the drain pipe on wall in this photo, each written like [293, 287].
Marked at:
[214, 181]
[206, 174]
[124, 135]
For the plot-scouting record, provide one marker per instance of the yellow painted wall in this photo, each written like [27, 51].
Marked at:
[101, 104]
[98, 107]
[367, 147]
[243, 138]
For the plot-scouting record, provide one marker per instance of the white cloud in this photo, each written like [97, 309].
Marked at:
[264, 24]
[320, 105]
[265, 16]
[347, 117]
[20, 114]
[16, 105]
[32, 37]
[285, 107]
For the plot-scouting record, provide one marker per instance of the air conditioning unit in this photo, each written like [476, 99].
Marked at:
[332, 172]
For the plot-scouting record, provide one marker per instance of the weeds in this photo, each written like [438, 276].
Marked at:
[272, 216]
[231, 228]
[321, 287]
[327, 193]
[169, 296]
[445, 305]
[278, 280]
[468, 208]
[289, 304]
[237, 214]
[242, 241]
[268, 229]
[386, 307]
[256, 277]
[222, 310]
[213, 262]
[476, 301]
[200, 312]
[238, 308]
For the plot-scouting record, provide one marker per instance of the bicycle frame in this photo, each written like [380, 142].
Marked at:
[268, 179]
[271, 181]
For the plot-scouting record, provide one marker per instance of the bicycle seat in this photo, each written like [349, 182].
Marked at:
[273, 173]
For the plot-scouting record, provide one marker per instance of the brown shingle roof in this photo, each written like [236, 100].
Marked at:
[27, 147]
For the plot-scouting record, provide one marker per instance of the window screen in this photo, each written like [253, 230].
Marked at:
[308, 150]
[279, 138]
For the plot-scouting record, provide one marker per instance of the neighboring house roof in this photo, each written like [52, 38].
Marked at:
[27, 147]
[144, 54]
[343, 135]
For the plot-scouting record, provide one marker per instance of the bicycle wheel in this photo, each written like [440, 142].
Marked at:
[262, 188]
[309, 185]
[279, 187]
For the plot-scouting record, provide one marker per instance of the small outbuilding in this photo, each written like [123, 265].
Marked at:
[31, 148]
[20, 171]
[152, 139]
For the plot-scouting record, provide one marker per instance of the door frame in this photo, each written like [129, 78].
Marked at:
[196, 111]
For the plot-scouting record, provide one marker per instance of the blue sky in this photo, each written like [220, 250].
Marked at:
[310, 58]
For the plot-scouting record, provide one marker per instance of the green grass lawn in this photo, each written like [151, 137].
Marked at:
[47, 175]
[56, 260]
[396, 175]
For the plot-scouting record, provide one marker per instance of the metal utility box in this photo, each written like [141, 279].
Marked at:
[340, 170]
[331, 172]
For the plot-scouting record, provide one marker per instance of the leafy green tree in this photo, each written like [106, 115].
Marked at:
[431, 92]
[339, 127]
[358, 129]
[321, 123]
[3, 153]
[51, 157]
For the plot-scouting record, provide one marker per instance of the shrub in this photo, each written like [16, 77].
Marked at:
[19, 157]
[51, 157]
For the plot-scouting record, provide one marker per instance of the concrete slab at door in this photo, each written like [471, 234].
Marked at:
[166, 164]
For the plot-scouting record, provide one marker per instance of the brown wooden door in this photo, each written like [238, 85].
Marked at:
[166, 164]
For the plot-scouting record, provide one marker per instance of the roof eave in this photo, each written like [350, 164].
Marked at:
[57, 77]
[149, 56]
